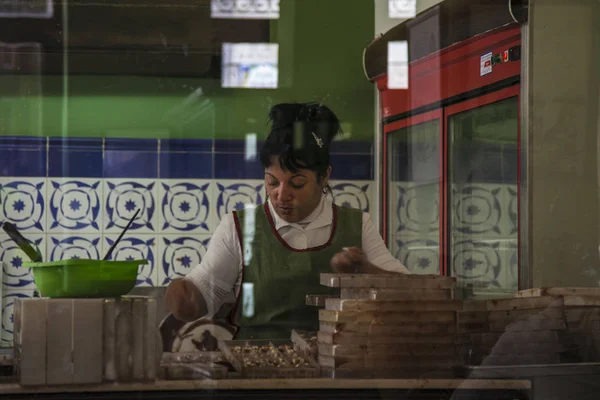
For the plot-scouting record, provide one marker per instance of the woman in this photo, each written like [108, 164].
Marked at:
[287, 242]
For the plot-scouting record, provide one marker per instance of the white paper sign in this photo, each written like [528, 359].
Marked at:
[486, 64]
[402, 9]
[398, 65]
[245, 9]
[42, 9]
[250, 65]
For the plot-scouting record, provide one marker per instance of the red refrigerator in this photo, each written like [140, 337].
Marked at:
[451, 150]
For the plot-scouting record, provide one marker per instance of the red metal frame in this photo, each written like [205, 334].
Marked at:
[393, 127]
[513, 91]
[451, 72]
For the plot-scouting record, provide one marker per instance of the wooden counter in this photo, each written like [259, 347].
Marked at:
[281, 384]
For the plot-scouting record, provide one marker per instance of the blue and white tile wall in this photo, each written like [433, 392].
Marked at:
[415, 234]
[485, 248]
[71, 197]
[485, 227]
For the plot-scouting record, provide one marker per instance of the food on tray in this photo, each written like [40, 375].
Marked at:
[269, 355]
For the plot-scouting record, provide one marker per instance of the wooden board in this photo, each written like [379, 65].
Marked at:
[138, 308]
[350, 338]
[192, 357]
[30, 327]
[261, 387]
[576, 313]
[474, 305]
[582, 318]
[387, 281]
[392, 306]
[379, 317]
[558, 291]
[512, 347]
[317, 300]
[123, 338]
[551, 313]
[581, 301]
[387, 350]
[362, 373]
[194, 371]
[525, 359]
[396, 294]
[387, 329]
[59, 354]
[472, 316]
[392, 361]
[532, 324]
[526, 336]
[152, 343]
[524, 303]
[473, 327]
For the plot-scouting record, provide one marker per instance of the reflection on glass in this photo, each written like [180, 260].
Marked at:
[398, 65]
[27, 9]
[402, 9]
[245, 9]
[250, 65]
[20, 89]
[195, 111]
[483, 198]
[249, 230]
[250, 147]
[413, 196]
[248, 299]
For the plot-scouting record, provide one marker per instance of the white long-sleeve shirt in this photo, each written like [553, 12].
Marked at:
[218, 276]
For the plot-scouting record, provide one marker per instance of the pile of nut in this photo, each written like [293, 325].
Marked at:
[269, 355]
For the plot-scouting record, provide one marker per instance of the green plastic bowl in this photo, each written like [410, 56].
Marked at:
[85, 278]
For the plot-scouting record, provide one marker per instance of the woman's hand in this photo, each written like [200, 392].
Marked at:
[352, 260]
[185, 301]
[348, 261]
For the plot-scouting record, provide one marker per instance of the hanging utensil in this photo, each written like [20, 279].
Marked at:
[23, 244]
[107, 256]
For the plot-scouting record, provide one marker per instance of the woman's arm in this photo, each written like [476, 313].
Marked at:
[205, 288]
[378, 255]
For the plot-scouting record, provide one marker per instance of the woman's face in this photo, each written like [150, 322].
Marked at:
[294, 195]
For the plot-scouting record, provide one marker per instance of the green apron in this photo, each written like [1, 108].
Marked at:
[277, 278]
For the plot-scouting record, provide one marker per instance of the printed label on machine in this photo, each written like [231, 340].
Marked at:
[486, 64]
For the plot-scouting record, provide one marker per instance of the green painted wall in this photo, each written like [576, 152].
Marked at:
[321, 44]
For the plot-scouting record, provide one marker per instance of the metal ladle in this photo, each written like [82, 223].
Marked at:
[23, 244]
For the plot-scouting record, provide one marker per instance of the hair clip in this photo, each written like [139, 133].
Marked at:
[318, 140]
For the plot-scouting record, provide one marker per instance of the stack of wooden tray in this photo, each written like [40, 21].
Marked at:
[581, 315]
[388, 325]
[537, 326]
[520, 331]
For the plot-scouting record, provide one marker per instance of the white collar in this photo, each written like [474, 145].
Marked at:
[321, 216]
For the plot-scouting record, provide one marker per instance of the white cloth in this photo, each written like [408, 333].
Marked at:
[218, 277]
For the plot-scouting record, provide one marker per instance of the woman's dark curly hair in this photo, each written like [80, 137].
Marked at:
[300, 136]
